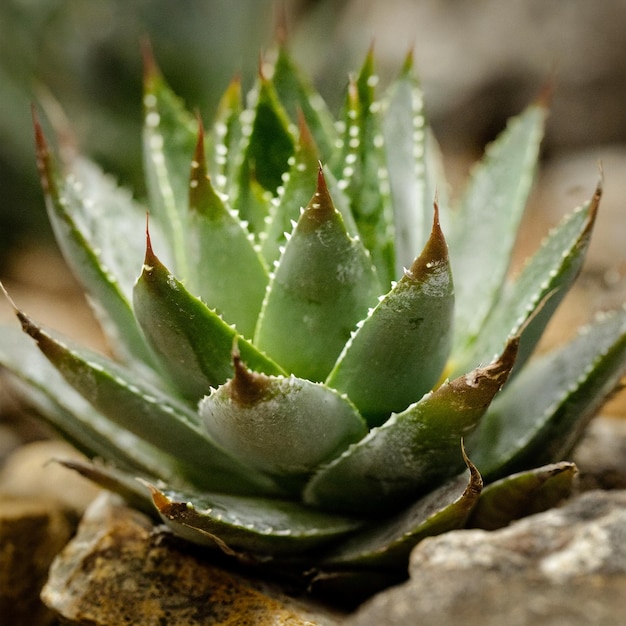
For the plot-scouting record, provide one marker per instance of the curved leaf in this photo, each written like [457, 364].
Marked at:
[322, 287]
[398, 353]
[388, 544]
[250, 528]
[542, 413]
[525, 493]
[414, 450]
[41, 387]
[193, 342]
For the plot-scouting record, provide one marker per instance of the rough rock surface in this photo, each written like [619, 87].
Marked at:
[564, 567]
[32, 531]
[117, 570]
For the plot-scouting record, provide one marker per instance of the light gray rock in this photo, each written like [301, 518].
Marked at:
[564, 567]
[118, 570]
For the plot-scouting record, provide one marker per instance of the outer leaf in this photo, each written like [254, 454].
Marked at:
[487, 220]
[169, 140]
[413, 450]
[146, 412]
[41, 387]
[297, 95]
[399, 351]
[362, 171]
[522, 494]
[413, 176]
[270, 145]
[542, 413]
[254, 415]
[531, 299]
[389, 543]
[230, 274]
[193, 342]
[71, 215]
[250, 528]
[322, 287]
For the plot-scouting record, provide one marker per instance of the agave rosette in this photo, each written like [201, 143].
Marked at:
[291, 383]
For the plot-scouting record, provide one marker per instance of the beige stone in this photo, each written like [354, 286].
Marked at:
[118, 570]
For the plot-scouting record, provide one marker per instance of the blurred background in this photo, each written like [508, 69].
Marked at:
[480, 62]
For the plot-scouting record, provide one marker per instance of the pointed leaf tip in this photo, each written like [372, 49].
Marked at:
[246, 388]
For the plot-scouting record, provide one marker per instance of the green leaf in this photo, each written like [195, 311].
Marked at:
[322, 287]
[387, 544]
[84, 227]
[227, 139]
[250, 528]
[292, 196]
[230, 274]
[362, 173]
[532, 297]
[414, 450]
[269, 147]
[253, 416]
[487, 221]
[41, 387]
[525, 493]
[298, 96]
[192, 341]
[169, 139]
[414, 177]
[384, 366]
[542, 413]
[146, 412]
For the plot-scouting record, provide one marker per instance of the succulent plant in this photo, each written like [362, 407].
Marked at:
[304, 388]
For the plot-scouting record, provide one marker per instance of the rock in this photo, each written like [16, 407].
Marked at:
[32, 532]
[601, 455]
[119, 570]
[31, 471]
[563, 567]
